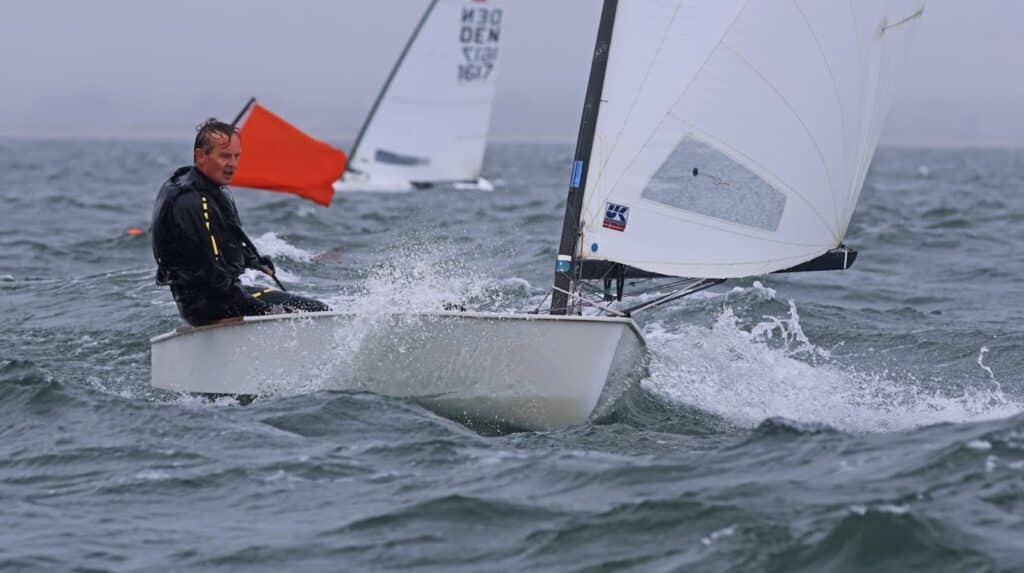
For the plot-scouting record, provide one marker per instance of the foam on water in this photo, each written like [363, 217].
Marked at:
[270, 244]
[279, 249]
[773, 370]
[430, 277]
[415, 279]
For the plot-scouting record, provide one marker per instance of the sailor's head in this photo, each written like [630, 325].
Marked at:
[217, 150]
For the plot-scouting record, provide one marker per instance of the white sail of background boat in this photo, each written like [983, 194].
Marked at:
[429, 122]
[719, 139]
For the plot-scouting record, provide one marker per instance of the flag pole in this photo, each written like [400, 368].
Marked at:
[238, 117]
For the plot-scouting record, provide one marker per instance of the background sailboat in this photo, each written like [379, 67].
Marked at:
[429, 122]
[777, 106]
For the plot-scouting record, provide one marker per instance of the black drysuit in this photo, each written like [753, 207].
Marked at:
[201, 250]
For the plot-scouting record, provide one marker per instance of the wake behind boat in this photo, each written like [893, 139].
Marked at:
[719, 140]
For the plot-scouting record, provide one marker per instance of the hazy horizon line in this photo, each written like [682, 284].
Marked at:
[186, 135]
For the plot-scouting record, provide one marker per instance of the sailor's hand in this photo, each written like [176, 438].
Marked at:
[267, 265]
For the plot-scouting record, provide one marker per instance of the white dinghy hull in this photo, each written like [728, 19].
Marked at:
[534, 372]
[365, 183]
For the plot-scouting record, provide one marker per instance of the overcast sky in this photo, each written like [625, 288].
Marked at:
[138, 67]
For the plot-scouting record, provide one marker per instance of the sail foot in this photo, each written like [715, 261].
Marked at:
[838, 259]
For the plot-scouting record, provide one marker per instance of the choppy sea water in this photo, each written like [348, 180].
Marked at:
[861, 420]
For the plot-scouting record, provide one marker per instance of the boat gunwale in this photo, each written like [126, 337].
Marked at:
[240, 321]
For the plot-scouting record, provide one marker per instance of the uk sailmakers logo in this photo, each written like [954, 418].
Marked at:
[615, 217]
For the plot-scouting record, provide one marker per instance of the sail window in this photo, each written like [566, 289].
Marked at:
[698, 178]
[393, 158]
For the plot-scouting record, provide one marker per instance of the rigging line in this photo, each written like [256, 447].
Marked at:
[589, 302]
[736, 155]
[673, 284]
[668, 286]
[686, 89]
[600, 291]
[678, 284]
[702, 285]
[807, 130]
[542, 301]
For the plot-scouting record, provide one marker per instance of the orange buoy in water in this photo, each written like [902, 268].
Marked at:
[133, 231]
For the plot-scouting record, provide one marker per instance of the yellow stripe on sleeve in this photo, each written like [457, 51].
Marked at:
[213, 241]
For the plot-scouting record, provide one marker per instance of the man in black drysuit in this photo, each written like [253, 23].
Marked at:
[198, 242]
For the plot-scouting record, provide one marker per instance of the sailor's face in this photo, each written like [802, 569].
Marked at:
[222, 161]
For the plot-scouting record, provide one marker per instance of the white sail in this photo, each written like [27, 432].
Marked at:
[777, 104]
[431, 121]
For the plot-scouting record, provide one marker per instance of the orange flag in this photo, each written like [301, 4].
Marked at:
[277, 156]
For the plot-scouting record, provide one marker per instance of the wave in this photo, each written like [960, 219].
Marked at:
[773, 370]
[272, 245]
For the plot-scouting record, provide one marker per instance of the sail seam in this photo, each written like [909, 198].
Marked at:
[864, 136]
[669, 112]
[839, 101]
[857, 189]
[692, 218]
[862, 176]
[632, 106]
[586, 213]
[807, 130]
[637, 262]
[856, 36]
[861, 58]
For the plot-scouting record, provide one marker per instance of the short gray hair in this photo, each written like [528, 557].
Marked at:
[205, 131]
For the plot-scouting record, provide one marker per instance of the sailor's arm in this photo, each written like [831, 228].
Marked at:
[255, 261]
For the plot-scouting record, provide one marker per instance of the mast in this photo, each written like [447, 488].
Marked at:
[387, 83]
[566, 266]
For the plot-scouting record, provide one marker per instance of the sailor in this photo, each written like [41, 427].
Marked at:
[198, 241]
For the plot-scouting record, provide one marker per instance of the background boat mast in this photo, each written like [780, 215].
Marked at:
[387, 84]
